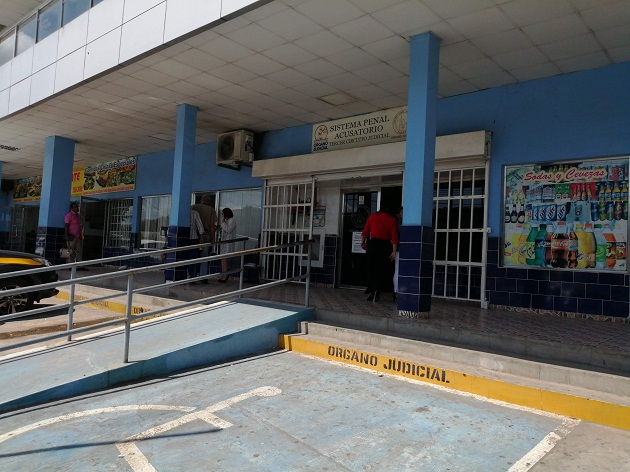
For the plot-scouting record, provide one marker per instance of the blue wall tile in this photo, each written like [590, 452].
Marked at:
[592, 307]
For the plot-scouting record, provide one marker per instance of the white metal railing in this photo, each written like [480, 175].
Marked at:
[131, 290]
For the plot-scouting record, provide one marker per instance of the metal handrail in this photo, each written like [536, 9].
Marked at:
[131, 291]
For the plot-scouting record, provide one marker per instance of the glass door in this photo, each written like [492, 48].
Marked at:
[357, 206]
[24, 228]
[93, 212]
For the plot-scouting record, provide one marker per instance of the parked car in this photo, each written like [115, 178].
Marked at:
[13, 262]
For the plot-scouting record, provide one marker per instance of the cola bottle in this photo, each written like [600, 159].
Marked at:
[560, 247]
[548, 240]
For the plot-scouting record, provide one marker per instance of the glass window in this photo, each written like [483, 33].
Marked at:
[74, 8]
[118, 224]
[7, 46]
[49, 20]
[156, 213]
[26, 33]
[246, 206]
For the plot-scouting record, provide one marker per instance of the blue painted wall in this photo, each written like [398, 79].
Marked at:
[580, 115]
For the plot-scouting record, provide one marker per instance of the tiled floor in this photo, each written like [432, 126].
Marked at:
[608, 337]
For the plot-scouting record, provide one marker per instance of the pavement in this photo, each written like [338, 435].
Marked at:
[352, 330]
[284, 411]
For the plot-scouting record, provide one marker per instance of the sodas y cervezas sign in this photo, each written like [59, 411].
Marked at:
[567, 215]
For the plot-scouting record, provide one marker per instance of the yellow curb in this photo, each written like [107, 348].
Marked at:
[595, 411]
[106, 304]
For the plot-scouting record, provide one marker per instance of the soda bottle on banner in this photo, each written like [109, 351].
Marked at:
[548, 239]
[611, 255]
[522, 245]
[581, 245]
[515, 241]
[530, 246]
[590, 245]
[600, 254]
[572, 256]
[560, 247]
[620, 247]
[539, 246]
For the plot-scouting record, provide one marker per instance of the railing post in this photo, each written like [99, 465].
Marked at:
[307, 291]
[240, 279]
[73, 273]
[128, 317]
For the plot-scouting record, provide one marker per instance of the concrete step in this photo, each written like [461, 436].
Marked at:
[587, 356]
[591, 396]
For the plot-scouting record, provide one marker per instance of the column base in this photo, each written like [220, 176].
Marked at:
[414, 315]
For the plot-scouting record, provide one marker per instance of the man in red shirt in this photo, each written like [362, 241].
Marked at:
[380, 239]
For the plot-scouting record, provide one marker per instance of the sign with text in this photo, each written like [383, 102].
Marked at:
[567, 215]
[381, 127]
[115, 176]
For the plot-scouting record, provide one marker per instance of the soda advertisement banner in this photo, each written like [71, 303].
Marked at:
[567, 215]
[115, 176]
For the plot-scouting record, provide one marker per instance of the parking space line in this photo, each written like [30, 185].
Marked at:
[139, 463]
[81, 414]
[545, 446]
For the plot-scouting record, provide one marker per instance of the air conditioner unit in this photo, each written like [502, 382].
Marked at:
[235, 148]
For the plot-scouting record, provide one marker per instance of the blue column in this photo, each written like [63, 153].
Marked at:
[183, 168]
[55, 200]
[417, 237]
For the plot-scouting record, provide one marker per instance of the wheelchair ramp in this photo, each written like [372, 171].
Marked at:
[159, 347]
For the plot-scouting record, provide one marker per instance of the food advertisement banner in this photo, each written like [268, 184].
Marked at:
[115, 176]
[385, 126]
[567, 215]
[28, 190]
[78, 179]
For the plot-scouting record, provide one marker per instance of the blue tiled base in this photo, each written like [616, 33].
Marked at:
[415, 270]
[585, 293]
[48, 243]
[178, 236]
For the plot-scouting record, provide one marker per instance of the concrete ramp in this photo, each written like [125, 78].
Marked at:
[158, 347]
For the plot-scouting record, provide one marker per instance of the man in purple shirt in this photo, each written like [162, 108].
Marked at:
[74, 232]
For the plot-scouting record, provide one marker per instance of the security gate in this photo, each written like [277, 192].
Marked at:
[287, 218]
[459, 220]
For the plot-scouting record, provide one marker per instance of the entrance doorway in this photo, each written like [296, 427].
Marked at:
[357, 206]
[24, 228]
[93, 212]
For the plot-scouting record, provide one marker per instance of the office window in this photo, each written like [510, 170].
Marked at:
[26, 33]
[49, 20]
[155, 214]
[74, 8]
[246, 206]
[7, 46]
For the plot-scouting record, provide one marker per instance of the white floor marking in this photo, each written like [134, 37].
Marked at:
[128, 449]
[139, 463]
[544, 447]
[81, 414]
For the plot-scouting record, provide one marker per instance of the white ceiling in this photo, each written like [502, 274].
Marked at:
[276, 66]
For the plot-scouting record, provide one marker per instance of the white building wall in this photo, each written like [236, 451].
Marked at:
[112, 32]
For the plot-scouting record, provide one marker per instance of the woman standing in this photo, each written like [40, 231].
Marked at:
[228, 231]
